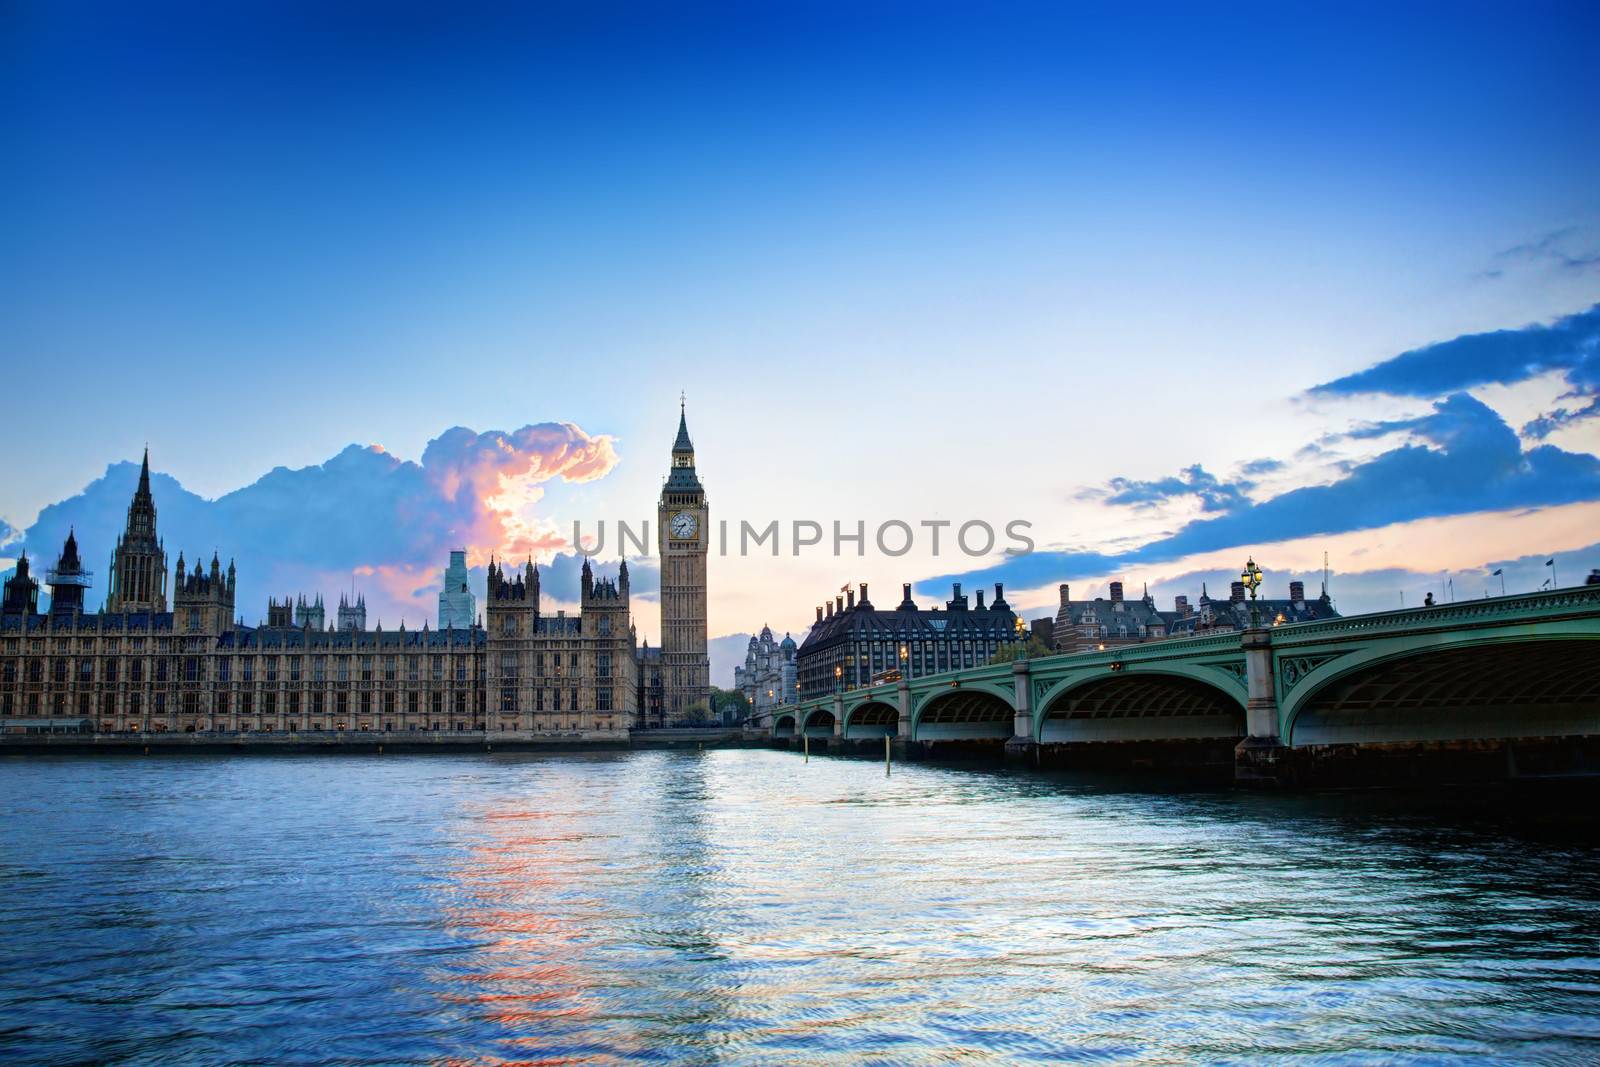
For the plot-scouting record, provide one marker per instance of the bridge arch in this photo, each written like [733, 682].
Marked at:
[1170, 704]
[1451, 687]
[965, 713]
[819, 722]
[872, 718]
[783, 725]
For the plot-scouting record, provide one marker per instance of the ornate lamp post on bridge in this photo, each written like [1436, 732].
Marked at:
[1251, 578]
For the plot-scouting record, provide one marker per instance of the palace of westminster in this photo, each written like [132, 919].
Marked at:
[146, 663]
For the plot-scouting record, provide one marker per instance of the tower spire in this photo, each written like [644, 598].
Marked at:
[683, 444]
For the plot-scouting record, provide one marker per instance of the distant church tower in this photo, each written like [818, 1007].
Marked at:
[682, 538]
[353, 616]
[139, 562]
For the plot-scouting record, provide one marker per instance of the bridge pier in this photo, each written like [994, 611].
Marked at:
[902, 696]
[1023, 745]
[1261, 758]
[838, 715]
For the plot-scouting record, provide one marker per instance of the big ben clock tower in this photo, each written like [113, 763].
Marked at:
[682, 538]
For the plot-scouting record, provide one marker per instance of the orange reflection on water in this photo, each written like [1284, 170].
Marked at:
[516, 897]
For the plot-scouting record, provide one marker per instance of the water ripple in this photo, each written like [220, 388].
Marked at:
[749, 907]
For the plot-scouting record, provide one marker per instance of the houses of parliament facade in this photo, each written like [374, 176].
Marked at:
[160, 657]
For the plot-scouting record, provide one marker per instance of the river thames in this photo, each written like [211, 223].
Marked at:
[746, 906]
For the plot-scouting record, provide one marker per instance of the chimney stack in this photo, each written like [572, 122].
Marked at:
[863, 592]
[1236, 592]
[1181, 604]
[1297, 592]
[838, 604]
[850, 595]
[980, 600]
[1066, 593]
[1116, 592]
[819, 612]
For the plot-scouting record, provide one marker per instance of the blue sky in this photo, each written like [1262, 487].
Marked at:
[908, 262]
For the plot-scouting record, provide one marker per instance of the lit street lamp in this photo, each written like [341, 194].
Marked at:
[1251, 578]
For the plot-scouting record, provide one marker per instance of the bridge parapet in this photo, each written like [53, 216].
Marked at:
[1493, 611]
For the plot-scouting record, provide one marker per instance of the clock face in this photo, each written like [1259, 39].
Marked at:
[683, 524]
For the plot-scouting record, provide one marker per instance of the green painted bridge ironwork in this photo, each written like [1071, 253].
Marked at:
[1482, 670]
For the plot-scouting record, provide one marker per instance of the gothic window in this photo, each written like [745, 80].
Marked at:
[605, 625]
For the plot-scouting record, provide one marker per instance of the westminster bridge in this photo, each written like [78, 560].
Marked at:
[1506, 687]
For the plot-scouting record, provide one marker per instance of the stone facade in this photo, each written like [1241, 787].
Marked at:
[135, 666]
[854, 643]
[769, 675]
[683, 537]
[1107, 622]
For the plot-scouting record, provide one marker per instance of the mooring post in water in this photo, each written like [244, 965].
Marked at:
[887, 758]
[805, 740]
